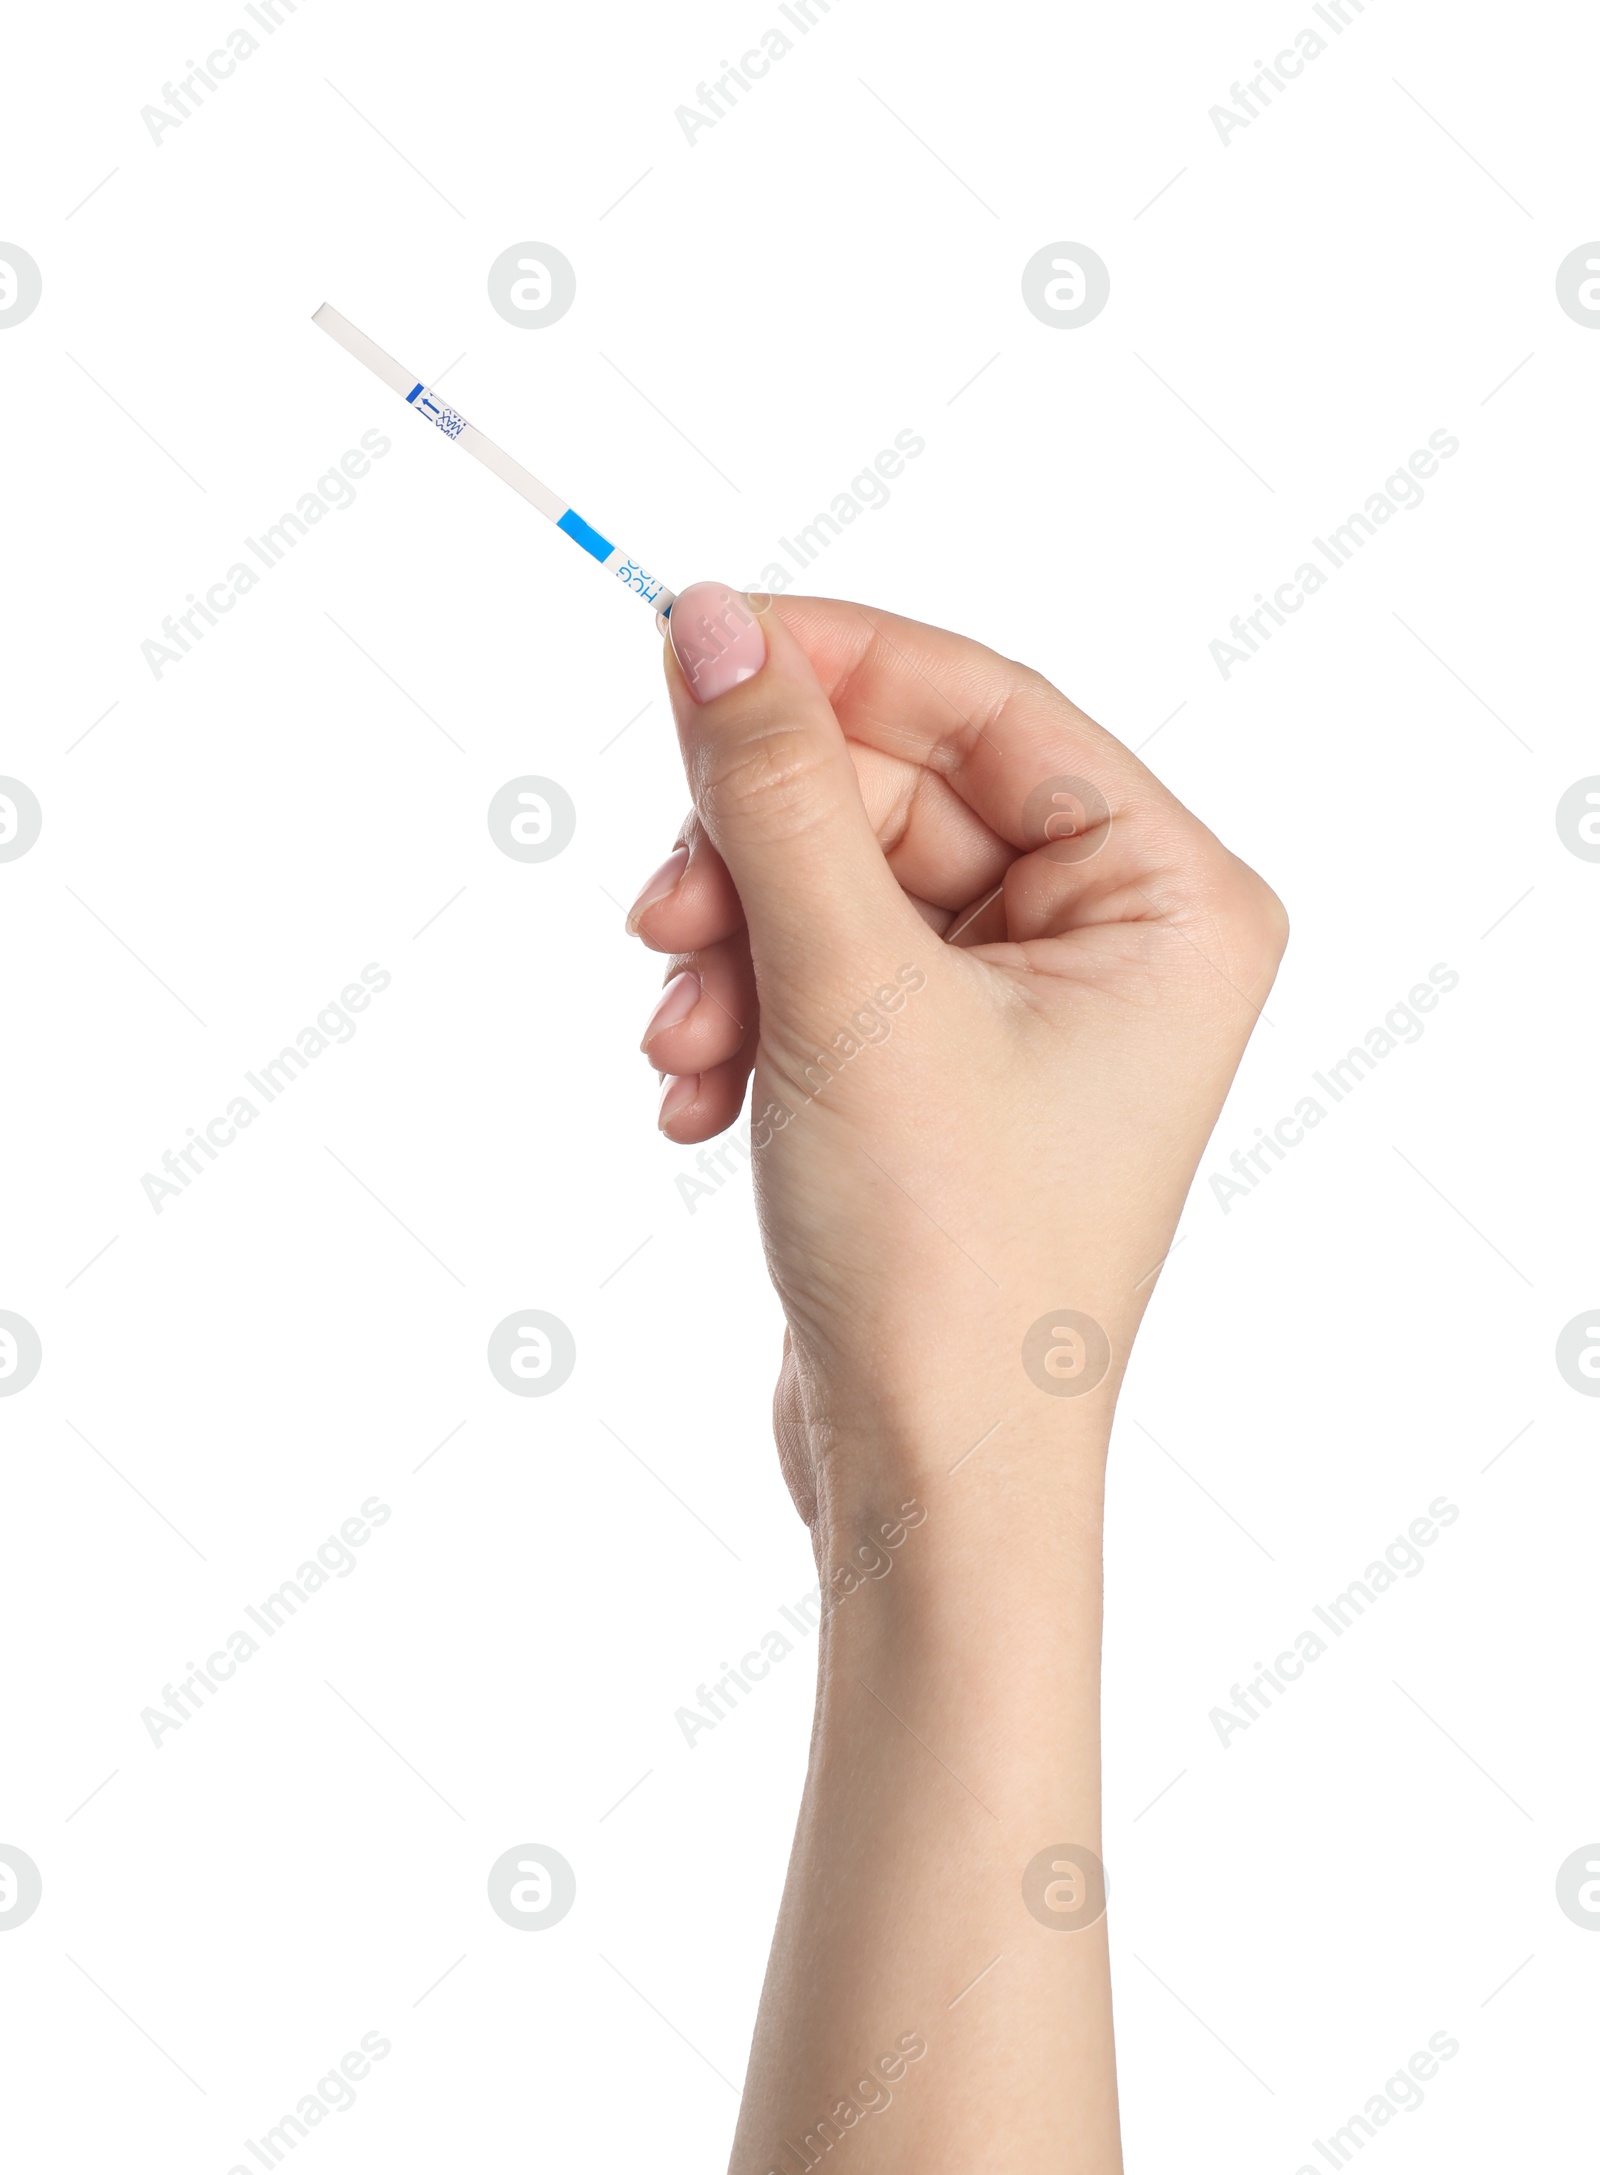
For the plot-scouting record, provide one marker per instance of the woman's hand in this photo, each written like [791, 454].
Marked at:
[992, 980]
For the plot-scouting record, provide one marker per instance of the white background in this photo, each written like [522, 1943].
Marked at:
[306, 792]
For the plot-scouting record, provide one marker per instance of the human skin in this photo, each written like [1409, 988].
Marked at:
[986, 1058]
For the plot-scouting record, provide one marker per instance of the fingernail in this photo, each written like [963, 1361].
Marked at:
[716, 639]
[679, 1092]
[664, 880]
[675, 1003]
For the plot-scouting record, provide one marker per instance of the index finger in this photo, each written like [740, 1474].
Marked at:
[992, 730]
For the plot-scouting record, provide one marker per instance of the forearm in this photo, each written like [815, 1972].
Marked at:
[956, 1746]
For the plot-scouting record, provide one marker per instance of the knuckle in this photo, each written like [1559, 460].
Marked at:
[769, 784]
[1255, 917]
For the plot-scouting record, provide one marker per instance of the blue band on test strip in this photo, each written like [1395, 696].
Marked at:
[415, 390]
[596, 545]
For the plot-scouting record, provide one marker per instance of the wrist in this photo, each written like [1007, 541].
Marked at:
[981, 1525]
[989, 1469]
[966, 1612]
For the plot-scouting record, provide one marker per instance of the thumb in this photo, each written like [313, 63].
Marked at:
[776, 789]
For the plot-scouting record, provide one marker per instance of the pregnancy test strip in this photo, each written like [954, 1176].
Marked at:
[439, 412]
